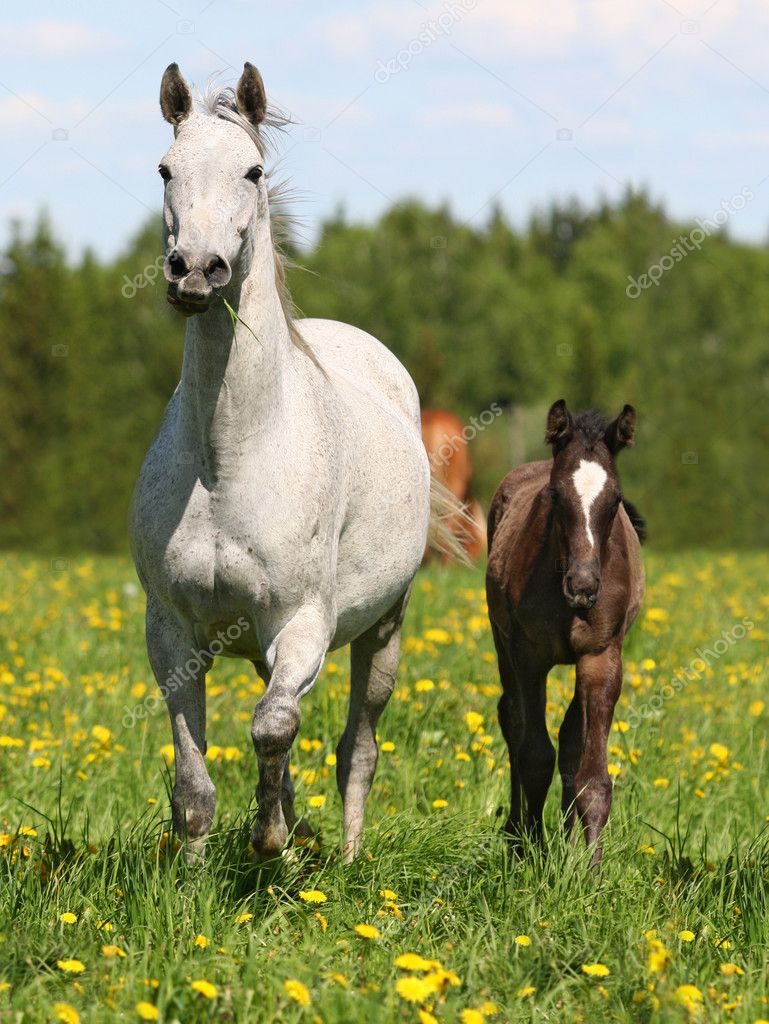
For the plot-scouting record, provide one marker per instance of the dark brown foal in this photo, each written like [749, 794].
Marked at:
[564, 584]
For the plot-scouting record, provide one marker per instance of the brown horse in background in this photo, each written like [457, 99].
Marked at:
[446, 444]
[564, 583]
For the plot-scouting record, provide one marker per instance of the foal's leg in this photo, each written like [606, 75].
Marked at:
[511, 721]
[599, 680]
[298, 654]
[536, 757]
[181, 675]
[570, 743]
[373, 662]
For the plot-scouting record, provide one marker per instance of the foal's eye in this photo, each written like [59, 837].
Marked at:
[164, 172]
[255, 173]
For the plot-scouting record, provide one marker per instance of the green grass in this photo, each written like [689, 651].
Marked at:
[686, 846]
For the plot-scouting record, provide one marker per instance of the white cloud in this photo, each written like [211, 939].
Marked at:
[53, 38]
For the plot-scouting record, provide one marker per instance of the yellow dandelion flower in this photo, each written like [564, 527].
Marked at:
[595, 970]
[440, 804]
[424, 685]
[201, 941]
[146, 1011]
[207, 989]
[388, 894]
[68, 917]
[414, 962]
[686, 935]
[719, 752]
[330, 760]
[316, 801]
[756, 708]
[413, 990]
[243, 918]
[297, 991]
[368, 931]
[489, 1009]
[312, 896]
[71, 966]
[66, 1013]
[387, 747]
[425, 1017]
[689, 996]
[474, 721]
[471, 1017]
[731, 969]
[658, 957]
[522, 940]
[112, 951]
[321, 920]
[526, 991]
[339, 979]
[662, 783]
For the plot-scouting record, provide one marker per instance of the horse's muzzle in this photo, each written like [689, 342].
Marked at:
[581, 585]
[192, 284]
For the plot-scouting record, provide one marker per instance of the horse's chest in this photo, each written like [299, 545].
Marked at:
[212, 568]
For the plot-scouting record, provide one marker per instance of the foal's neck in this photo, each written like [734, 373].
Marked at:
[233, 374]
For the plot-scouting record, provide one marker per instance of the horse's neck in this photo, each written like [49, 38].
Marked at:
[233, 375]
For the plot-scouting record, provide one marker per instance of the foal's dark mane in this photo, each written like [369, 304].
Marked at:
[591, 427]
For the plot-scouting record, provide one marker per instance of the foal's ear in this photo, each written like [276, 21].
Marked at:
[559, 424]
[250, 94]
[621, 432]
[175, 96]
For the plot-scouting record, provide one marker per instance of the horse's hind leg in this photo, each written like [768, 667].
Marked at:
[373, 662]
[297, 656]
[511, 722]
[536, 759]
[521, 712]
[193, 801]
[570, 743]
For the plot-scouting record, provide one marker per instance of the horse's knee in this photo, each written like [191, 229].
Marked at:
[593, 797]
[193, 805]
[274, 726]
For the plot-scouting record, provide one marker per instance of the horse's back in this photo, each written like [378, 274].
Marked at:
[351, 355]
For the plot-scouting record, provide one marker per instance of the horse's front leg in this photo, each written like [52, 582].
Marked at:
[295, 659]
[599, 681]
[181, 674]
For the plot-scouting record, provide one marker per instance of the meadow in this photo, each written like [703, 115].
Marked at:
[101, 919]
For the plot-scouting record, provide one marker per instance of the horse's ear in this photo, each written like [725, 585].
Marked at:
[250, 94]
[175, 96]
[621, 432]
[559, 424]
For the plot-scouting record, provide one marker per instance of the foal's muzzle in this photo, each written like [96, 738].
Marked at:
[581, 584]
[193, 282]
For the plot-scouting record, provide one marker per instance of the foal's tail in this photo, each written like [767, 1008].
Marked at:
[451, 525]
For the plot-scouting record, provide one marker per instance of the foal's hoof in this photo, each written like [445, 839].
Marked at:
[268, 841]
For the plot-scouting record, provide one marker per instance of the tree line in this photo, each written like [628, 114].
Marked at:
[581, 303]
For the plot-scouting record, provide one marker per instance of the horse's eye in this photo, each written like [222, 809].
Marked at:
[255, 173]
[164, 172]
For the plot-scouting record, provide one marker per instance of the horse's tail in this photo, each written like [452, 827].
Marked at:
[451, 525]
[636, 519]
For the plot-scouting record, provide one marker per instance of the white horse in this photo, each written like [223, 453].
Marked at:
[283, 508]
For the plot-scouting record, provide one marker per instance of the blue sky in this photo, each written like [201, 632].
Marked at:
[495, 100]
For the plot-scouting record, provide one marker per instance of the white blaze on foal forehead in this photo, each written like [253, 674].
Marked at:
[589, 481]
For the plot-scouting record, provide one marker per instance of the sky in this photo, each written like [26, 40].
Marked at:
[473, 102]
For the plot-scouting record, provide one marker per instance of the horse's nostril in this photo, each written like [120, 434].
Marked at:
[217, 270]
[178, 265]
